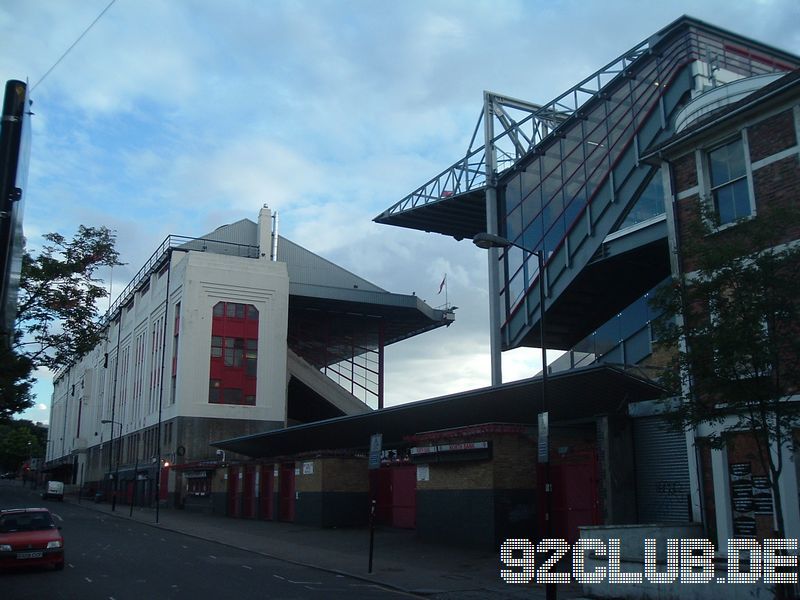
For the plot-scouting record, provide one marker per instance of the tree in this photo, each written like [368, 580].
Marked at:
[57, 312]
[733, 323]
[19, 441]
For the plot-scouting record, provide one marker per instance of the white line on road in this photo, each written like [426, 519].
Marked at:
[247, 567]
[87, 579]
[279, 577]
[212, 556]
[305, 582]
[57, 516]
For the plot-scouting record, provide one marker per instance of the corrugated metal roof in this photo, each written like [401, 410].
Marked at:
[304, 266]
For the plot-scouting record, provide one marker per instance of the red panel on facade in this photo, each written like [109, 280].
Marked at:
[234, 352]
[287, 492]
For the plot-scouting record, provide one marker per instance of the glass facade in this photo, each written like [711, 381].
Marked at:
[591, 161]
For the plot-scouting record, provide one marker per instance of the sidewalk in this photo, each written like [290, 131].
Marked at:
[401, 561]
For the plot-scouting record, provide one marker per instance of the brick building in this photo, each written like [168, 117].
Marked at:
[736, 152]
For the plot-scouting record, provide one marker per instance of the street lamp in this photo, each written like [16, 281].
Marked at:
[489, 240]
[116, 473]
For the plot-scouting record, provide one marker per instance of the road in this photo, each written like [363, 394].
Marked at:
[118, 559]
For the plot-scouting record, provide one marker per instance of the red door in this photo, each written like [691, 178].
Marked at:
[381, 491]
[163, 490]
[404, 496]
[395, 490]
[249, 492]
[233, 492]
[266, 492]
[287, 492]
[575, 495]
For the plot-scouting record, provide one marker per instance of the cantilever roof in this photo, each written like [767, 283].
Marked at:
[453, 202]
[572, 395]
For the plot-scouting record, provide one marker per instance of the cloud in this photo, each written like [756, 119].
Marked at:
[173, 117]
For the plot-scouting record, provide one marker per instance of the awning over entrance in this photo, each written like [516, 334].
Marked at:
[571, 395]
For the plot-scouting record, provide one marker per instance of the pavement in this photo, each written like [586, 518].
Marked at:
[400, 561]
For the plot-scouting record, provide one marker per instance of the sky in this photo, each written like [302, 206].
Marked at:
[178, 116]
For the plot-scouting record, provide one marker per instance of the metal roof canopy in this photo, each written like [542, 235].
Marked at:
[453, 202]
[580, 393]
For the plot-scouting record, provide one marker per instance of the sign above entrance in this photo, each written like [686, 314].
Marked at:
[543, 441]
[375, 448]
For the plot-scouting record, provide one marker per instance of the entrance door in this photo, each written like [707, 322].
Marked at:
[575, 498]
[233, 492]
[266, 492]
[404, 496]
[249, 492]
[395, 490]
[287, 492]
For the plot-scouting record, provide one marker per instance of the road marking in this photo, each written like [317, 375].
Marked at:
[212, 556]
[71, 566]
[279, 577]
[87, 579]
[185, 547]
[305, 582]
[247, 567]
[57, 516]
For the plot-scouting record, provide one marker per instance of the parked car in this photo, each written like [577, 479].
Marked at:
[30, 538]
[54, 489]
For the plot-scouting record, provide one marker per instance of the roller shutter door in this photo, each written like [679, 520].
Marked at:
[662, 472]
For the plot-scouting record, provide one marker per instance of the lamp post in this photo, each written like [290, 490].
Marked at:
[490, 240]
[116, 472]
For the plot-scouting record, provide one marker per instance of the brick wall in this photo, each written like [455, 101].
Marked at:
[772, 135]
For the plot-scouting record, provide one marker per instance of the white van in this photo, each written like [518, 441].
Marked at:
[55, 489]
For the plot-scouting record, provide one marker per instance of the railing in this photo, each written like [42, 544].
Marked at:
[517, 138]
[173, 242]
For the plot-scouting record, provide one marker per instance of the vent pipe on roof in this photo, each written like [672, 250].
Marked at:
[274, 254]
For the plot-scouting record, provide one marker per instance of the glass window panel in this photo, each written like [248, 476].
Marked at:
[230, 309]
[741, 199]
[216, 346]
[531, 207]
[554, 237]
[514, 224]
[250, 400]
[214, 391]
[239, 311]
[252, 313]
[232, 395]
[219, 309]
[511, 193]
[250, 367]
[649, 204]
[723, 200]
[516, 287]
[529, 179]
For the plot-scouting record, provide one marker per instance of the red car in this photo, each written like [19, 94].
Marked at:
[29, 537]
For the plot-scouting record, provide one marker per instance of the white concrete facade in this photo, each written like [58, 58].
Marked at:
[135, 382]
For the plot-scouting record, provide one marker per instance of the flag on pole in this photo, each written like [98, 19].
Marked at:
[441, 285]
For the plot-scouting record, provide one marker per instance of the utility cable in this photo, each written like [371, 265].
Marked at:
[75, 43]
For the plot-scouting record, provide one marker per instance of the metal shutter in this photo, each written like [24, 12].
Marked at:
[662, 472]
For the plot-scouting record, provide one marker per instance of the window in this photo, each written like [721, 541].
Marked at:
[234, 352]
[251, 357]
[219, 309]
[232, 396]
[216, 346]
[214, 391]
[252, 313]
[729, 187]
